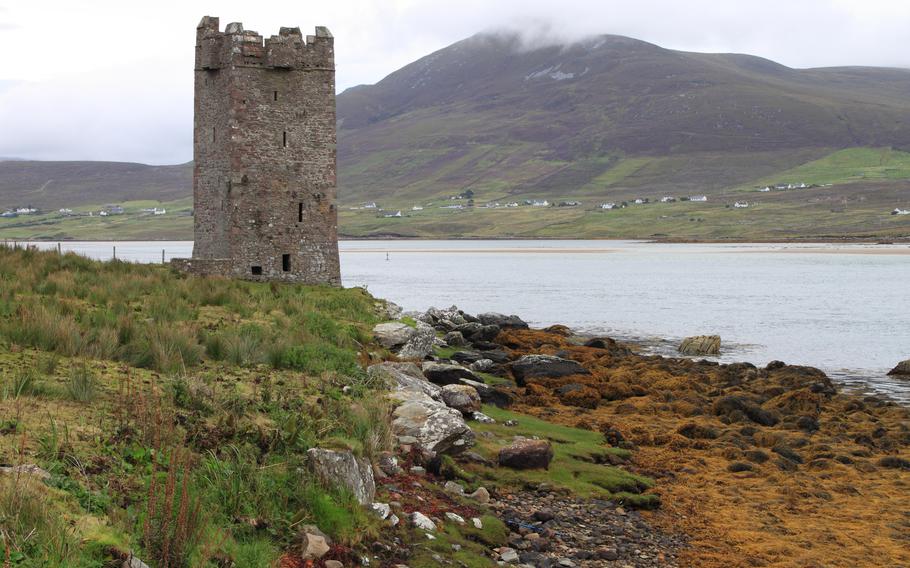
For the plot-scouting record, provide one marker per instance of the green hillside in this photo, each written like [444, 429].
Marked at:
[606, 120]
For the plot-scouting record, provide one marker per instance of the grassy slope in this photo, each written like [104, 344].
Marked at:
[114, 375]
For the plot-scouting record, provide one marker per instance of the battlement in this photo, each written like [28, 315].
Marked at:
[236, 46]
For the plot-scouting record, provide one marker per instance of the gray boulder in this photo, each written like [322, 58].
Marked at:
[483, 365]
[445, 374]
[544, 366]
[420, 344]
[902, 368]
[700, 345]
[403, 377]
[454, 339]
[429, 424]
[393, 334]
[342, 468]
[462, 398]
[503, 321]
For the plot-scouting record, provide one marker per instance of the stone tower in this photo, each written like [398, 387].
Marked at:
[264, 151]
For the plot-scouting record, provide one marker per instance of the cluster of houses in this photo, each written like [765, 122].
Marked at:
[785, 187]
[106, 211]
[15, 212]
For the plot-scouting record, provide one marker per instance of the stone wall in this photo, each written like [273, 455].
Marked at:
[265, 161]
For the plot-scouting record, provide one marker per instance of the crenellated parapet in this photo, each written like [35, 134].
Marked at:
[236, 46]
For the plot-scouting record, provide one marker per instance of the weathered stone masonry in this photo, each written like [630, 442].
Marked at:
[264, 150]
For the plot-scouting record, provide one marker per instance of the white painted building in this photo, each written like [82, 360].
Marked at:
[698, 198]
[741, 204]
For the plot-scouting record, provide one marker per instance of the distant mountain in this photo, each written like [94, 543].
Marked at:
[490, 115]
[608, 117]
[70, 184]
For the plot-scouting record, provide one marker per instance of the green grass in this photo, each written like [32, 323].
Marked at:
[850, 165]
[577, 465]
[118, 378]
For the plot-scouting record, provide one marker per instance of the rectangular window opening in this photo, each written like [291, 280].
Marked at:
[286, 262]
[275, 95]
[257, 270]
[284, 139]
[300, 212]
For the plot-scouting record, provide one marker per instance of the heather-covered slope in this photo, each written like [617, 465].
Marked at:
[489, 115]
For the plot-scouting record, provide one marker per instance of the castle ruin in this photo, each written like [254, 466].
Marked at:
[264, 155]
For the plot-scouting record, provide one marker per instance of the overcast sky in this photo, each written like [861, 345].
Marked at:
[112, 80]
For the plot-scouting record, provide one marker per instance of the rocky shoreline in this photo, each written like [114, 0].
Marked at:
[768, 466]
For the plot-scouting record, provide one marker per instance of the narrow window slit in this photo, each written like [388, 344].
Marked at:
[284, 139]
[300, 212]
[286, 262]
[275, 95]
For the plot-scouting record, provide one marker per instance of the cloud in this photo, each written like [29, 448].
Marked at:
[138, 114]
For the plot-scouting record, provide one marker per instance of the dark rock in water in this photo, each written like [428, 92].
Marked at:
[503, 321]
[700, 345]
[731, 404]
[526, 454]
[608, 344]
[894, 462]
[902, 368]
[544, 366]
[442, 374]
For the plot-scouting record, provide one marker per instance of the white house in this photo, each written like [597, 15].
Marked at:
[26, 211]
[159, 211]
[65, 211]
[741, 204]
[538, 203]
[371, 205]
[512, 204]
[417, 208]
[899, 211]
[698, 198]
[608, 206]
[395, 214]
[764, 189]
[638, 201]
[667, 199]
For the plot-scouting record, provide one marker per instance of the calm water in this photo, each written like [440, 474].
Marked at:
[843, 308]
